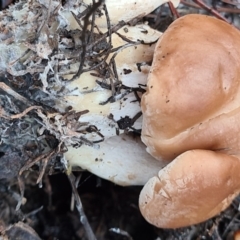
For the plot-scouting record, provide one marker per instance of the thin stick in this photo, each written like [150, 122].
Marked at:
[84, 44]
[173, 10]
[79, 206]
[211, 10]
[11, 92]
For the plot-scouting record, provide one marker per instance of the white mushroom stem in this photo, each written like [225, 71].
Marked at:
[126, 10]
[87, 94]
[121, 159]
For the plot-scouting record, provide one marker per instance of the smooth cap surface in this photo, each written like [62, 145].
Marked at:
[194, 79]
[191, 117]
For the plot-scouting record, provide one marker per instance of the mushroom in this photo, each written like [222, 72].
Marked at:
[191, 113]
[190, 110]
[125, 10]
[108, 160]
[120, 158]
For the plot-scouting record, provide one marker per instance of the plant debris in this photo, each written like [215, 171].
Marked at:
[45, 53]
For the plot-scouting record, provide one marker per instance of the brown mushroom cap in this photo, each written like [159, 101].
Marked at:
[195, 78]
[197, 185]
[191, 111]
